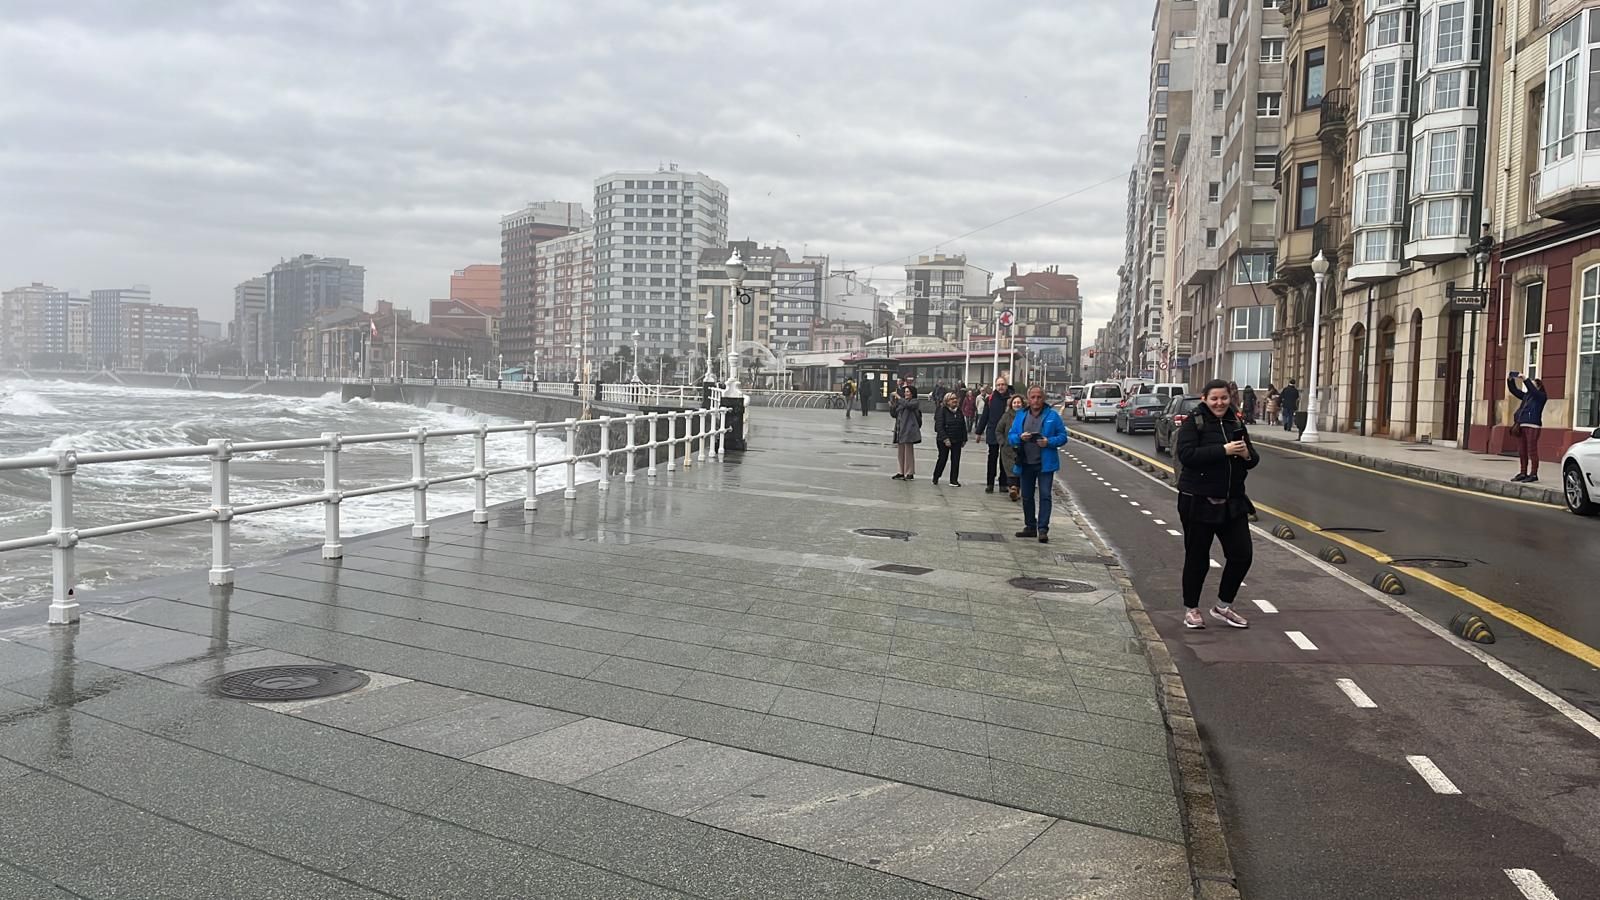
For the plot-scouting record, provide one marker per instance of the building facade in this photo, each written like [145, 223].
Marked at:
[1047, 322]
[521, 235]
[249, 322]
[1543, 317]
[796, 302]
[651, 228]
[935, 287]
[105, 321]
[156, 337]
[715, 302]
[300, 289]
[479, 285]
[564, 307]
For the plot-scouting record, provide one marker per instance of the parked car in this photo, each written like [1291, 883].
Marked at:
[1100, 401]
[1074, 394]
[1138, 413]
[1174, 414]
[1167, 390]
[1580, 475]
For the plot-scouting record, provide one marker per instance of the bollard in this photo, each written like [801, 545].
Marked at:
[571, 493]
[1389, 583]
[64, 575]
[1284, 532]
[605, 453]
[332, 548]
[221, 565]
[1332, 554]
[1472, 627]
[628, 464]
[419, 483]
[480, 475]
[530, 498]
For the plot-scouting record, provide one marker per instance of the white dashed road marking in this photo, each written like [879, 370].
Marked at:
[1215, 564]
[1147, 512]
[1132, 503]
[1300, 640]
[1431, 774]
[1160, 522]
[1530, 884]
[1265, 606]
[1174, 532]
[1356, 694]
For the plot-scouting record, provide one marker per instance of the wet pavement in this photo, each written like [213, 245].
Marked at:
[705, 685]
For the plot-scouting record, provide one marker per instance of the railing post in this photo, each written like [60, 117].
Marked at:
[331, 546]
[650, 468]
[63, 595]
[530, 499]
[628, 422]
[480, 474]
[688, 438]
[711, 436]
[221, 565]
[702, 423]
[419, 483]
[672, 443]
[571, 493]
[722, 431]
[605, 453]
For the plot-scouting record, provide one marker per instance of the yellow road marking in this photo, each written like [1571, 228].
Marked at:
[1519, 620]
[1417, 481]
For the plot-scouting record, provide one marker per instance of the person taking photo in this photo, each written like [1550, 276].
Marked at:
[1216, 456]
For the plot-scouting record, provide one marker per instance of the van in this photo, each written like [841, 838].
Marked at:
[1100, 401]
[1168, 390]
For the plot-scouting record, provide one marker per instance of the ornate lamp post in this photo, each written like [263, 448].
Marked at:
[736, 270]
[1319, 272]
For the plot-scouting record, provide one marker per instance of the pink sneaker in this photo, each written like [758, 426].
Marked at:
[1228, 617]
[1191, 619]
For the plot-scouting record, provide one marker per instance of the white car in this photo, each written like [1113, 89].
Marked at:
[1100, 401]
[1580, 476]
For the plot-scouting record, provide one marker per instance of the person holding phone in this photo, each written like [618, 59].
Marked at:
[950, 431]
[1526, 423]
[1216, 454]
[1037, 433]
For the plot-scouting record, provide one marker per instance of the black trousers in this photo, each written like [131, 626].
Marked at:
[951, 455]
[1234, 534]
[995, 469]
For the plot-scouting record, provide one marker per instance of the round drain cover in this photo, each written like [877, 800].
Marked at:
[1429, 562]
[1051, 585]
[890, 533]
[288, 682]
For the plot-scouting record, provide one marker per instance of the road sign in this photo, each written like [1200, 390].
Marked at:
[1006, 318]
[1467, 300]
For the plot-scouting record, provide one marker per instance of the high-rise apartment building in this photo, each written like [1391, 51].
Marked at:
[297, 290]
[1157, 309]
[563, 307]
[249, 322]
[479, 285]
[521, 234]
[105, 321]
[797, 289]
[160, 337]
[33, 326]
[651, 229]
[1223, 204]
[935, 286]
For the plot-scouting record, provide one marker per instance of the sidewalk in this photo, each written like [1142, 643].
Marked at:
[1424, 462]
[709, 686]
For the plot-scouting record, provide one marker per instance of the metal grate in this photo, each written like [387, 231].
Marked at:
[1051, 585]
[288, 682]
[893, 534]
[901, 569]
[993, 537]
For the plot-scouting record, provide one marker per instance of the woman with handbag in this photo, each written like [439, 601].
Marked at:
[907, 431]
[1526, 423]
[1216, 456]
[1008, 453]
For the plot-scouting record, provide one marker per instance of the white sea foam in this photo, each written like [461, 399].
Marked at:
[26, 403]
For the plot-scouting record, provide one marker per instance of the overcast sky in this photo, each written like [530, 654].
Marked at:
[191, 145]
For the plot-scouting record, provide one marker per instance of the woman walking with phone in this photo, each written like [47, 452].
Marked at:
[1216, 455]
[907, 431]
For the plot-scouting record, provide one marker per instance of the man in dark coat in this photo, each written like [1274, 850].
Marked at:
[1289, 401]
[988, 423]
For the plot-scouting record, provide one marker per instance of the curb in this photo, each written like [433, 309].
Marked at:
[1476, 483]
[1210, 863]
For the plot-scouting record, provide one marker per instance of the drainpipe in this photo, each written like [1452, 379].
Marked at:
[1366, 360]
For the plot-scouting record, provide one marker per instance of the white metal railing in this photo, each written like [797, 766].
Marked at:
[704, 433]
[797, 399]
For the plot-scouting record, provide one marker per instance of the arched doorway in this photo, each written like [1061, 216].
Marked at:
[1383, 385]
[1358, 375]
[1416, 373]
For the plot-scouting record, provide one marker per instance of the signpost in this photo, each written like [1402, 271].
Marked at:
[1467, 301]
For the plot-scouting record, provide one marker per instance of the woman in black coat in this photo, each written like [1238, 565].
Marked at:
[907, 431]
[1215, 454]
[950, 433]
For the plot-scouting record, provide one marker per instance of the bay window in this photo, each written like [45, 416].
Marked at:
[1451, 44]
[1587, 390]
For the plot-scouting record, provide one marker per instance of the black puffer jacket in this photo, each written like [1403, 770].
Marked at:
[949, 425]
[1208, 471]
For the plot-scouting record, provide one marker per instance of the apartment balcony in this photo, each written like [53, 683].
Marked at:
[1296, 249]
[1334, 122]
[1569, 189]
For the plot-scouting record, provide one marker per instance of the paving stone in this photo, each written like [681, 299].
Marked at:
[685, 776]
[811, 742]
[838, 682]
[930, 767]
[933, 729]
[706, 721]
[840, 712]
[573, 752]
[933, 698]
[1087, 800]
[476, 728]
[727, 690]
[370, 711]
[1073, 860]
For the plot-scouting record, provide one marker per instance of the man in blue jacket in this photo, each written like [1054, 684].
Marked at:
[1038, 434]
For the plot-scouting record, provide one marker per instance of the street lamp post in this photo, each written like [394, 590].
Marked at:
[994, 375]
[636, 355]
[711, 317]
[736, 270]
[1319, 272]
[1480, 261]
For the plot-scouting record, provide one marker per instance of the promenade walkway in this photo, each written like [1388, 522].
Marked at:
[706, 685]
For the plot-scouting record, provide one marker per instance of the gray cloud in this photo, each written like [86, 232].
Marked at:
[191, 145]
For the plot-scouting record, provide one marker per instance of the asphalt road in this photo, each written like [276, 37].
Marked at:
[1541, 561]
[1325, 799]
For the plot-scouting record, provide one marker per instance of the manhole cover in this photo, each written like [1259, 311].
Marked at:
[902, 570]
[892, 534]
[1051, 585]
[992, 537]
[1430, 562]
[1355, 529]
[288, 682]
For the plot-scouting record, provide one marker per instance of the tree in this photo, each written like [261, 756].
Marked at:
[223, 357]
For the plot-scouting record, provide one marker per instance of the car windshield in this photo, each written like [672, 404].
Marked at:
[1146, 400]
[1186, 405]
[1105, 392]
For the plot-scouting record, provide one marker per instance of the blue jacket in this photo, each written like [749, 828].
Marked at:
[1531, 412]
[1052, 428]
